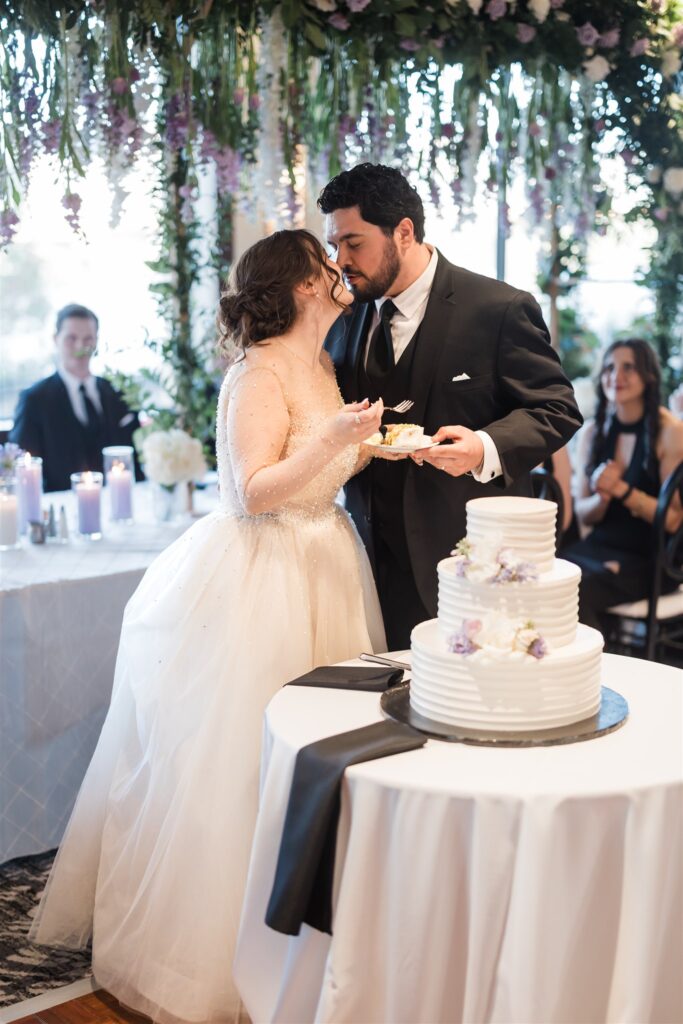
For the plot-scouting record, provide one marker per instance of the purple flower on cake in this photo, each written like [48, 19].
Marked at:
[462, 641]
[529, 641]
[509, 571]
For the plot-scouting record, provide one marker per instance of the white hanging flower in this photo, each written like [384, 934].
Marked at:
[671, 63]
[540, 9]
[475, 5]
[673, 181]
[597, 68]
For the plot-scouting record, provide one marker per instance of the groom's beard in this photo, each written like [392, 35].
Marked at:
[375, 286]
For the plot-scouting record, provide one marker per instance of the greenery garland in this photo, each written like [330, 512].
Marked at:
[80, 78]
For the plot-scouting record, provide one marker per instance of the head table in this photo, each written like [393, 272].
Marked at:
[61, 607]
[520, 886]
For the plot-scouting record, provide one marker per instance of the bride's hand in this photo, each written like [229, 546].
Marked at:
[354, 423]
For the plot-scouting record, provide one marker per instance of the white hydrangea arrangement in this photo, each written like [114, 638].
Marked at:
[171, 457]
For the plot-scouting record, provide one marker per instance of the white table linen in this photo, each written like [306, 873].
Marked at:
[480, 884]
[61, 608]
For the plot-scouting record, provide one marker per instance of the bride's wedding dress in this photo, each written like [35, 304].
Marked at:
[154, 860]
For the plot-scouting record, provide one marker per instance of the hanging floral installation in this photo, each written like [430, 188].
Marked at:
[255, 91]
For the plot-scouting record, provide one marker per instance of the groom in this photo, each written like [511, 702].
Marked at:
[474, 356]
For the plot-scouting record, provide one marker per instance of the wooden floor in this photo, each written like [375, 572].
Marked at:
[95, 1008]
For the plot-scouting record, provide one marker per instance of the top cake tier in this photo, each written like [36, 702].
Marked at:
[525, 525]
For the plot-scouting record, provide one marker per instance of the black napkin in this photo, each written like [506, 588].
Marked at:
[351, 677]
[302, 890]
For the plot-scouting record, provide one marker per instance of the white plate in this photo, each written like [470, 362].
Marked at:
[400, 449]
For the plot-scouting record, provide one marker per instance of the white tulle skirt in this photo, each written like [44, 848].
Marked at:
[154, 860]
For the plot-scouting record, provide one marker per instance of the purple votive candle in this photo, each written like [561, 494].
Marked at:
[88, 490]
[120, 487]
[29, 473]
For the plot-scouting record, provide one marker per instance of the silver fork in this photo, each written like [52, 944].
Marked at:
[401, 407]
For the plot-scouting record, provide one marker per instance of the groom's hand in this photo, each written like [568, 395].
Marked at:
[465, 453]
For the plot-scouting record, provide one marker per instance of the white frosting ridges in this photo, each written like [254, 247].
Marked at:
[504, 691]
[526, 525]
[551, 601]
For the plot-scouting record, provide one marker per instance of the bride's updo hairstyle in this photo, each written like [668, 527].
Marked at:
[259, 300]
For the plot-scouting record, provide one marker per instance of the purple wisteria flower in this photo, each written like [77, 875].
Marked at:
[525, 33]
[462, 641]
[72, 204]
[677, 35]
[340, 21]
[661, 213]
[496, 9]
[587, 34]
[556, 4]
[639, 47]
[411, 45]
[357, 5]
[119, 86]
[610, 39]
[8, 227]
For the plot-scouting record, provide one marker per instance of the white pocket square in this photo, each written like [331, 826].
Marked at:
[462, 376]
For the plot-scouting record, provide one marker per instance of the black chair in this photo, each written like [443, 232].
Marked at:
[545, 486]
[653, 628]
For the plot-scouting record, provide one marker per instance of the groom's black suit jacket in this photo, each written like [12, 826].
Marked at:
[516, 391]
[46, 425]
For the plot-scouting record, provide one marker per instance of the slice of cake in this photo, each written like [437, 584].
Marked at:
[403, 434]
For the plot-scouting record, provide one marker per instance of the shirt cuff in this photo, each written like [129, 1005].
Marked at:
[490, 467]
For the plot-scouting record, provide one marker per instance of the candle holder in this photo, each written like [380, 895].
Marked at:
[88, 490]
[29, 481]
[9, 514]
[119, 473]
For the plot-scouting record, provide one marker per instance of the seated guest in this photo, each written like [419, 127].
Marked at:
[624, 455]
[68, 418]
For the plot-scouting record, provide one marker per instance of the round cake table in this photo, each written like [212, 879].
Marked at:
[476, 884]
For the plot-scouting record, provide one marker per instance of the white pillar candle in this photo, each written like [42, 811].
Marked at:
[29, 472]
[120, 486]
[9, 520]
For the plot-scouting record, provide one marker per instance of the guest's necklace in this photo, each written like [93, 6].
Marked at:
[297, 356]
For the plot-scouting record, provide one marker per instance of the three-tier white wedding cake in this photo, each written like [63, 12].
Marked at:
[507, 652]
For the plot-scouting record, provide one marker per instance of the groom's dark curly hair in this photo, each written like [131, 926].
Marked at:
[382, 194]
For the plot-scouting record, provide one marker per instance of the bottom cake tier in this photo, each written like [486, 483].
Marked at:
[509, 692]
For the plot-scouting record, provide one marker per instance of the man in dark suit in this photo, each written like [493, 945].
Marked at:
[68, 418]
[474, 356]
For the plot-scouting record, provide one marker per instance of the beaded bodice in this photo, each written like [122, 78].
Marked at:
[310, 401]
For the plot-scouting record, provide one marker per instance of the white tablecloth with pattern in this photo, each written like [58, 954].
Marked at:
[519, 886]
[61, 608]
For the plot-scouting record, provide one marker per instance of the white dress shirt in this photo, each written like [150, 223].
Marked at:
[410, 310]
[73, 388]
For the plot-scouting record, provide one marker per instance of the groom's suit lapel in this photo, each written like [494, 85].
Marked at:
[358, 334]
[437, 324]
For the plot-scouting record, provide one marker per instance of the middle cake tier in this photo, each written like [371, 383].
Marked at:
[551, 600]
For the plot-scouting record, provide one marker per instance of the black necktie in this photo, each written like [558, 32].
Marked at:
[94, 422]
[381, 351]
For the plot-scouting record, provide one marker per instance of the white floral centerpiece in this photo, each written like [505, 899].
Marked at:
[171, 457]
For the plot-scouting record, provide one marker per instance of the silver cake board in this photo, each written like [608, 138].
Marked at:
[611, 715]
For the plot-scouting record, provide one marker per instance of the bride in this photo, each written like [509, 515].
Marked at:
[154, 860]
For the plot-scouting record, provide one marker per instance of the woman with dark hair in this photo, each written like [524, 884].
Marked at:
[625, 453]
[155, 856]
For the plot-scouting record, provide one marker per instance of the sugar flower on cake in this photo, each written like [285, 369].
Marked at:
[172, 457]
[491, 563]
[497, 638]
[529, 641]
